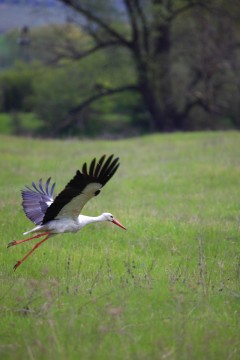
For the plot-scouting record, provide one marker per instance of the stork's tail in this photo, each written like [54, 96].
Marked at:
[38, 228]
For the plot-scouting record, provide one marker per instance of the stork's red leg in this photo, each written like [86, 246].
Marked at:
[16, 242]
[29, 253]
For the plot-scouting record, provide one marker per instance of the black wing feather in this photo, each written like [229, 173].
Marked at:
[92, 167]
[99, 165]
[99, 173]
[105, 166]
[106, 172]
[84, 169]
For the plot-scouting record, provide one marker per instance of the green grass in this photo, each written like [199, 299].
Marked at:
[168, 288]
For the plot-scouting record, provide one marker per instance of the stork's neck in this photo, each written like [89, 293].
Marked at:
[85, 220]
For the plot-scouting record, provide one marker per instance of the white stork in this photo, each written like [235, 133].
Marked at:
[61, 215]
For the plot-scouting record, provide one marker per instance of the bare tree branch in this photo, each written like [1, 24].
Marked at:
[70, 118]
[190, 4]
[144, 23]
[73, 53]
[94, 18]
[219, 11]
[104, 92]
[132, 19]
[138, 23]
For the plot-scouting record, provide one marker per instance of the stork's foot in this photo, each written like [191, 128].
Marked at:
[12, 243]
[18, 263]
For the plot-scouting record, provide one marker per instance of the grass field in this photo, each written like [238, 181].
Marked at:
[167, 288]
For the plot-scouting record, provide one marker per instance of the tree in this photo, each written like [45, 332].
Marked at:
[147, 30]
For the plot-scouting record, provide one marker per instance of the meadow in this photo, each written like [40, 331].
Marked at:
[167, 288]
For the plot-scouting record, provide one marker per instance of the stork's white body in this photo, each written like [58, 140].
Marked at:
[69, 224]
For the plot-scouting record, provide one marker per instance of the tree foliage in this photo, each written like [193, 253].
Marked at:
[16, 87]
[150, 32]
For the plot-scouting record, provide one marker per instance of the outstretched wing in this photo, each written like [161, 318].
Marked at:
[85, 185]
[36, 202]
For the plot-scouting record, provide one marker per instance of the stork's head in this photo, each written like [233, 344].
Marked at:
[110, 217]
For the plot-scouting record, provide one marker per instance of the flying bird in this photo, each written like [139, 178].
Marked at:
[59, 215]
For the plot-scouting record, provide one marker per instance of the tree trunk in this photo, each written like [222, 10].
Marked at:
[154, 81]
[153, 106]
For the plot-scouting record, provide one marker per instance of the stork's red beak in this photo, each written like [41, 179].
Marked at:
[116, 222]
